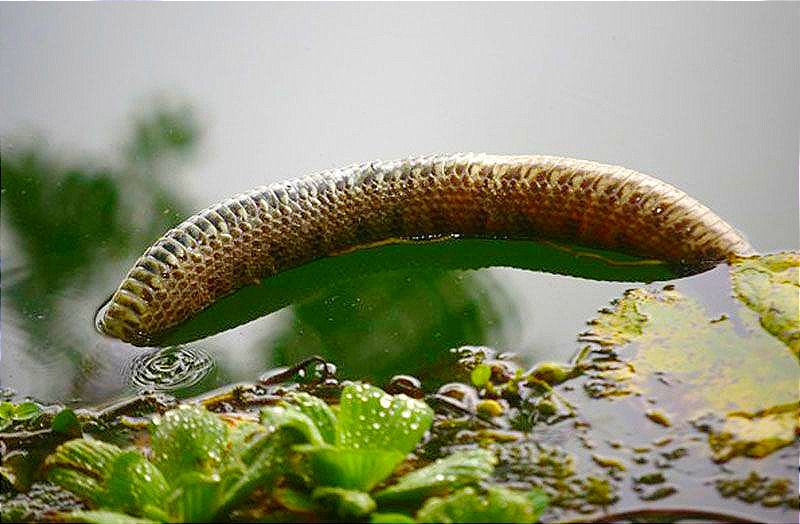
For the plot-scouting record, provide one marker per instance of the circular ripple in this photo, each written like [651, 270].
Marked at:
[168, 369]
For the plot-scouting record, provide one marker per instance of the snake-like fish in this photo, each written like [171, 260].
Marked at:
[277, 227]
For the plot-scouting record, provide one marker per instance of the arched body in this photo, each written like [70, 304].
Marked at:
[274, 228]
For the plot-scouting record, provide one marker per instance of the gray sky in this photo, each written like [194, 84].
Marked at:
[702, 95]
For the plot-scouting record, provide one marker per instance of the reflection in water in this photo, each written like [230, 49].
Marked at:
[407, 320]
[399, 308]
[170, 369]
[363, 269]
[70, 221]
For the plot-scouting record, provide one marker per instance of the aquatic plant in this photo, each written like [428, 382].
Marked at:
[302, 457]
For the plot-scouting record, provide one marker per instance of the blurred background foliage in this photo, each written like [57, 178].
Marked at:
[69, 220]
[75, 223]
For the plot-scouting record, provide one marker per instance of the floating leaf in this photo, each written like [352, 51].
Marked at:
[457, 470]
[649, 336]
[754, 435]
[497, 504]
[6, 411]
[264, 459]
[188, 438]
[770, 286]
[294, 500]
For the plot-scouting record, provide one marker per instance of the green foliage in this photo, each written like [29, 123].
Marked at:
[374, 431]
[133, 485]
[480, 375]
[457, 470]
[187, 439]
[497, 504]
[81, 466]
[10, 413]
[66, 421]
[325, 461]
[345, 504]
[391, 518]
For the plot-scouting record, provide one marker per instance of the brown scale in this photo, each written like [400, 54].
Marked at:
[269, 230]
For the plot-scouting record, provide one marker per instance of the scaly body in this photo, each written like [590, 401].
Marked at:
[274, 228]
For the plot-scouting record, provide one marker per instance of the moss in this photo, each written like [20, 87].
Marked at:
[758, 489]
[770, 286]
[751, 435]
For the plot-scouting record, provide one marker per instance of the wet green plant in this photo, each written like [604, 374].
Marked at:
[303, 456]
[11, 413]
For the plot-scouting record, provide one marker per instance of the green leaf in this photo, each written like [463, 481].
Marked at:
[66, 422]
[197, 498]
[497, 504]
[374, 431]
[345, 504]
[132, 484]
[6, 411]
[390, 518]
[457, 470]
[291, 417]
[80, 466]
[318, 411]
[26, 411]
[480, 375]
[356, 469]
[188, 438]
[104, 517]
[294, 500]
[266, 459]
[368, 418]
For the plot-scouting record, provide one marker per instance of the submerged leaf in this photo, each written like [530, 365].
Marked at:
[650, 336]
[497, 504]
[188, 438]
[754, 435]
[457, 470]
[770, 286]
